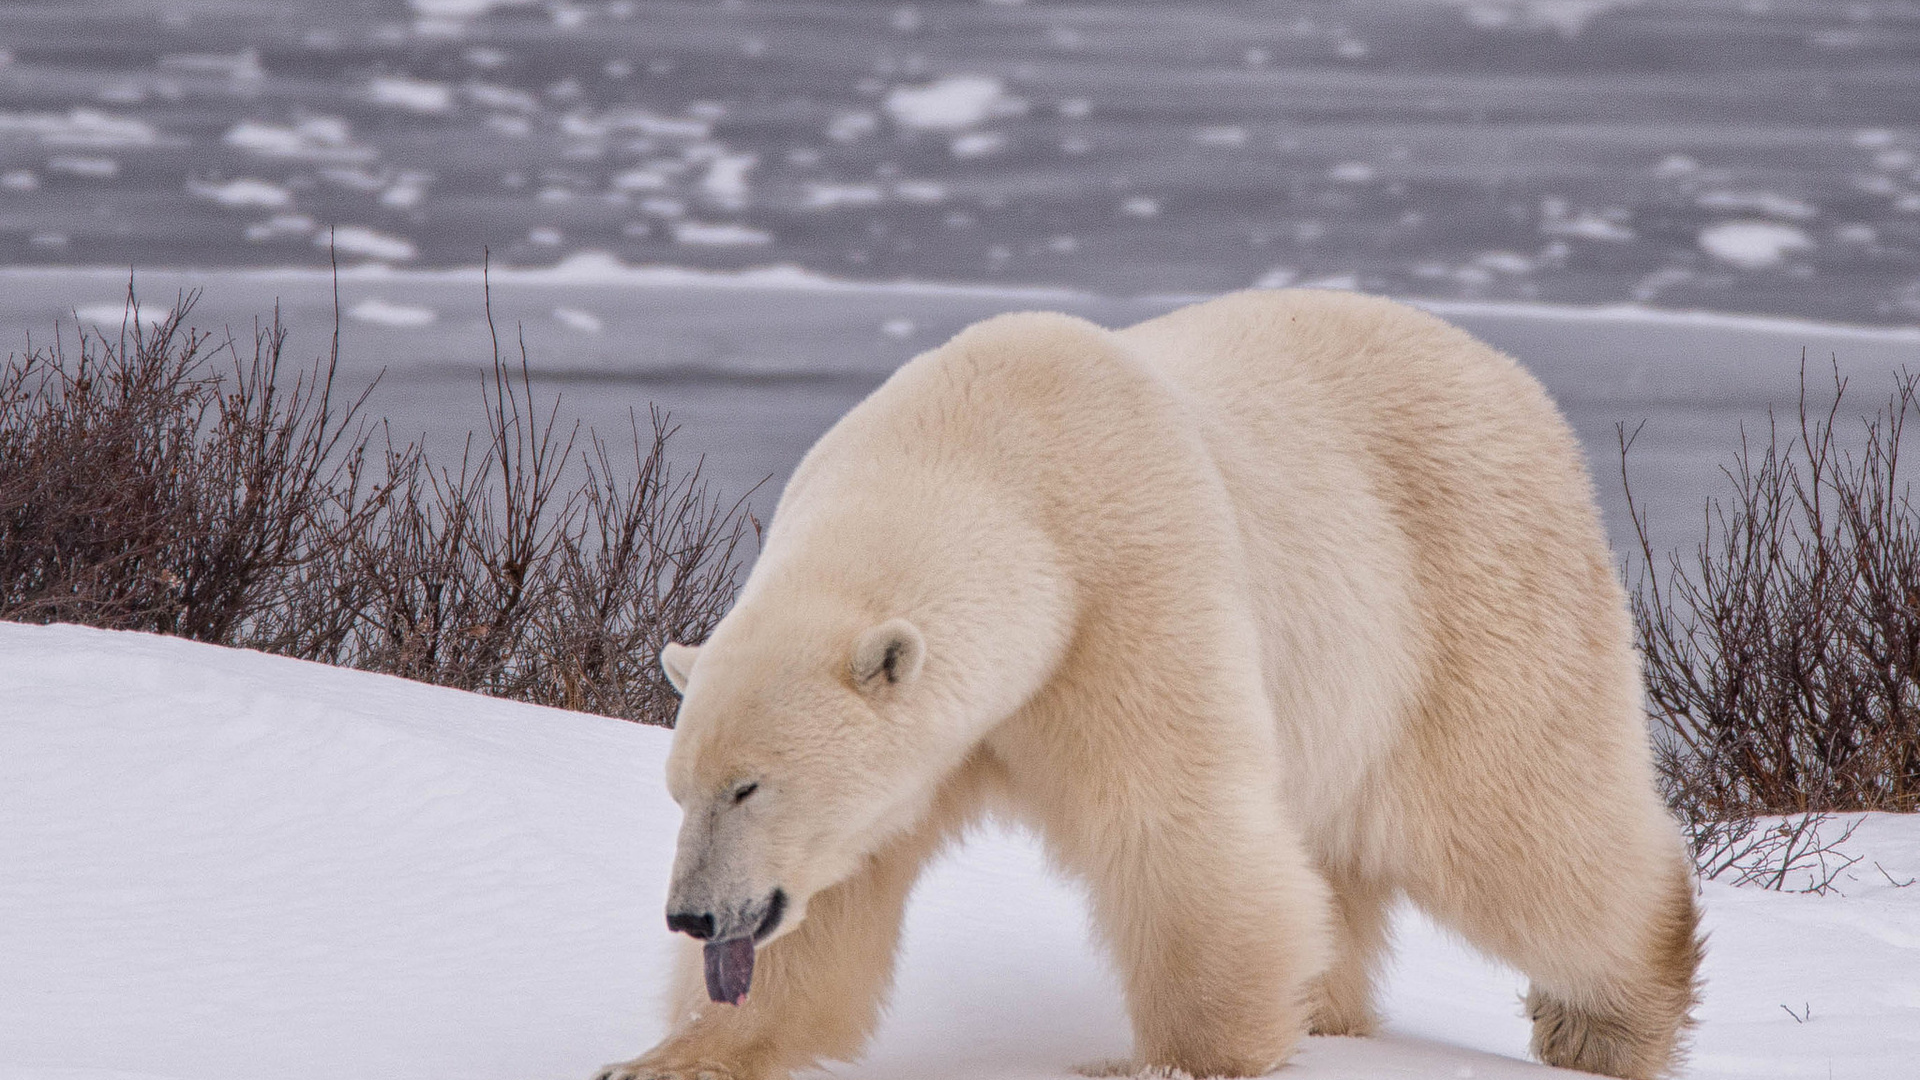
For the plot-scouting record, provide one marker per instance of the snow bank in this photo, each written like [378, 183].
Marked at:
[222, 865]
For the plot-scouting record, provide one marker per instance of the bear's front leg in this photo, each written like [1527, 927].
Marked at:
[1219, 940]
[1218, 921]
[816, 991]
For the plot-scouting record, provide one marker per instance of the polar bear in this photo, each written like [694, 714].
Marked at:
[1263, 614]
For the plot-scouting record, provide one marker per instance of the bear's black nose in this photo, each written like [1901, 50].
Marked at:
[694, 926]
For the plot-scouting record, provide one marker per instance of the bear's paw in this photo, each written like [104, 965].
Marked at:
[643, 1069]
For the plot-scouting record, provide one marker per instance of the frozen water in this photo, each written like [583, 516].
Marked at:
[1251, 130]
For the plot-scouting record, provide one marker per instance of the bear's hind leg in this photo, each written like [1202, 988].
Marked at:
[1343, 997]
[1606, 930]
[1628, 1030]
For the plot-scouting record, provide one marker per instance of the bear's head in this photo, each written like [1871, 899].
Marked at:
[859, 669]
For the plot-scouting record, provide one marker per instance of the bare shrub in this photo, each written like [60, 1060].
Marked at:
[1783, 660]
[145, 486]
[161, 481]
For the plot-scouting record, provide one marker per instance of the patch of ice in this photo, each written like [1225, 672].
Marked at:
[1894, 160]
[93, 168]
[1568, 18]
[1587, 225]
[79, 127]
[1221, 135]
[1076, 108]
[494, 96]
[407, 192]
[726, 179]
[510, 125]
[48, 240]
[727, 234]
[546, 236]
[398, 316]
[19, 180]
[576, 319]
[1277, 278]
[241, 67]
[852, 126]
[1859, 235]
[114, 313]
[1510, 263]
[1675, 165]
[319, 138]
[976, 144]
[899, 328]
[1872, 138]
[356, 179]
[280, 225]
[666, 208]
[414, 95]
[1062, 245]
[246, 191]
[1352, 172]
[461, 9]
[1141, 207]
[1333, 281]
[1757, 202]
[921, 191]
[360, 240]
[640, 180]
[832, 196]
[952, 103]
[1753, 245]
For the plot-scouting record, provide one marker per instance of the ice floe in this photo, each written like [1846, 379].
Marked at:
[727, 234]
[413, 95]
[1221, 135]
[380, 312]
[1753, 245]
[319, 138]
[115, 313]
[1769, 203]
[79, 127]
[245, 191]
[577, 319]
[827, 196]
[952, 103]
[977, 144]
[360, 240]
[92, 168]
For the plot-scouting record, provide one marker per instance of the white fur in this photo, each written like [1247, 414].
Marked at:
[1262, 613]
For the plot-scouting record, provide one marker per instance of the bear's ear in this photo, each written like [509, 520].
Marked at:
[677, 661]
[888, 655]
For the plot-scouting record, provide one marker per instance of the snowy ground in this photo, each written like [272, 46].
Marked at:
[220, 865]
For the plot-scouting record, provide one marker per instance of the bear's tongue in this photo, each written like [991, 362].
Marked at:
[729, 969]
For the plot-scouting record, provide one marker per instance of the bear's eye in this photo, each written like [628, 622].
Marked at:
[740, 793]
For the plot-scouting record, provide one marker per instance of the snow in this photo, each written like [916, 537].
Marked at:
[1753, 245]
[224, 865]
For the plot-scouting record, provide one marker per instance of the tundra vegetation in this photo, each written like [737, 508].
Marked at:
[169, 480]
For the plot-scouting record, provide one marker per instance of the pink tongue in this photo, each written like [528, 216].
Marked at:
[729, 969]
